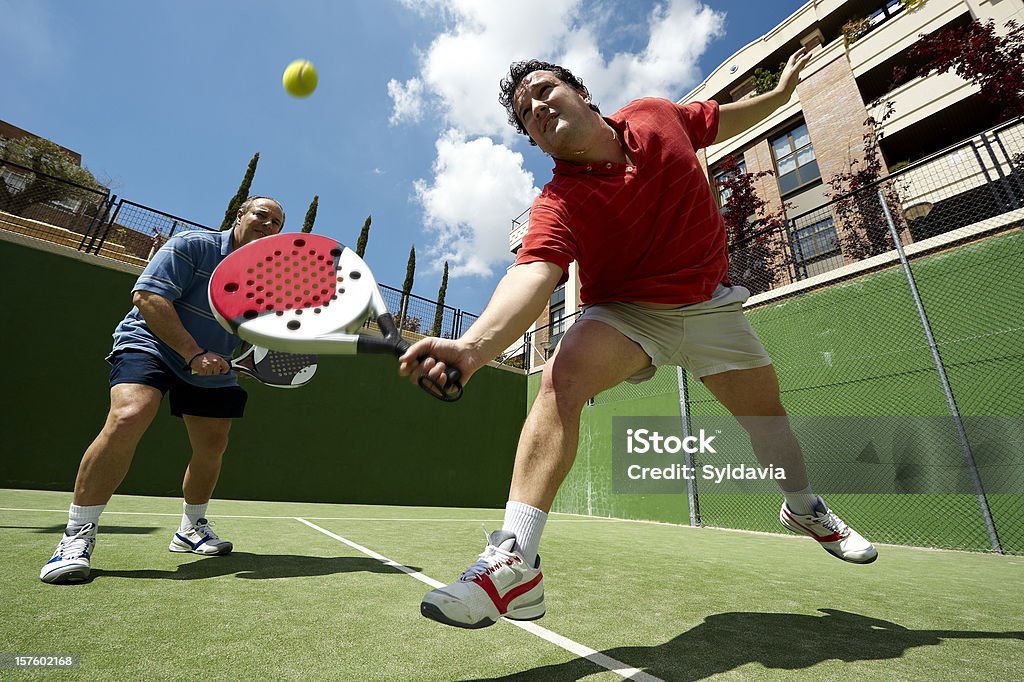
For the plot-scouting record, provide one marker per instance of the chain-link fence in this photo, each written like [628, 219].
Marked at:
[51, 209]
[915, 352]
[45, 207]
[900, 367]
[138, 230]
[422, 316]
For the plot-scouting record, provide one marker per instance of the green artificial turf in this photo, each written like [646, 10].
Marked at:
[678, 603]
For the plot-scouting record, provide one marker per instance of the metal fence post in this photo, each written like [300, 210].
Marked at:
[1011, 197]
[95, 224]
[965, 445]
[103, 227]
[799, 268]
[684, 414]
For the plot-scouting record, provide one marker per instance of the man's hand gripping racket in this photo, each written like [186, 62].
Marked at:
[305, 293]
[269, 367]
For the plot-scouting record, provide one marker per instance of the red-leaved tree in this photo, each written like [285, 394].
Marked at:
[979, 55]
[754, 232]
[865, 231]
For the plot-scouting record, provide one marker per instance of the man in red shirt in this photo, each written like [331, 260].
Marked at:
[629, 202]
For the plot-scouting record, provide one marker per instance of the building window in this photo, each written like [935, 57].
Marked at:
[886, 12]
[815, 240]
[556, 317]
[15, 182]
[720, 177]
[795, 163]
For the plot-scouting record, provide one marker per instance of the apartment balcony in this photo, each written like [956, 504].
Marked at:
[519, 226]
[921, 98]
[893, 35]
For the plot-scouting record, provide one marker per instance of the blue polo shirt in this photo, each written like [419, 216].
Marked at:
[180, 271]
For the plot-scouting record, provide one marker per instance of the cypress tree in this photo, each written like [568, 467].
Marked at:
[410, 273]
[439, 313]
[240, 196]
[363, 237]
[307, 225]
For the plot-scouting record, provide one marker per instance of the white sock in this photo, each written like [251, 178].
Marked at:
[801, 501]
[79, 516]
[527, 523]
[193, 512]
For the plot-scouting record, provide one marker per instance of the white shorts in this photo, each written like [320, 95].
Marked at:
[704, 338]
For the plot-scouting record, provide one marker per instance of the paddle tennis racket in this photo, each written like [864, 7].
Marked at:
[306, 293]
[274, 368]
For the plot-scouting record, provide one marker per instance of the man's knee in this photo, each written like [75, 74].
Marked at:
[129, 418]
[767, 425]
[209, 436]
[564, 384]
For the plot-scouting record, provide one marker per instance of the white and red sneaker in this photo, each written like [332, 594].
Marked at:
[499, 584]
[835, 537]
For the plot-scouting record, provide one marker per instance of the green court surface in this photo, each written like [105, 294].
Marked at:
[300, 600]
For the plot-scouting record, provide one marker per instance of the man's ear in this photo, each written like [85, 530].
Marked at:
[585, 94]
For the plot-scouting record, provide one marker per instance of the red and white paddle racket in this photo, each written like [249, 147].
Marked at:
[306, 293]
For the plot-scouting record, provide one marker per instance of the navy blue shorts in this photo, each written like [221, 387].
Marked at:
[138, 367]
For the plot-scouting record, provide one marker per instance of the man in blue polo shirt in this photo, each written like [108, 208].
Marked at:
[169, 343]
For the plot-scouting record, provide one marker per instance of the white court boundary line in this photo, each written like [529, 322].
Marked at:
[605, 661]
[790, 537]
[573, 647]
[494, 519]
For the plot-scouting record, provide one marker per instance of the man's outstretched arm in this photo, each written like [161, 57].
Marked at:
[735, 117]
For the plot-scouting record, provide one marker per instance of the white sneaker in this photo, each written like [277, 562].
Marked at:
[835, 537]
[70, 561]
[500, 583]
[199, 539]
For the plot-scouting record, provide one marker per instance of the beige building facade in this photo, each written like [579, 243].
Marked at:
[856, 47]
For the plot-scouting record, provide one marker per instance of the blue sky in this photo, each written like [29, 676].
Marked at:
[167, 102]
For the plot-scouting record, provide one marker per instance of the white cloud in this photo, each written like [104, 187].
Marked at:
[477, 188]
[407, 99]
[460, 71]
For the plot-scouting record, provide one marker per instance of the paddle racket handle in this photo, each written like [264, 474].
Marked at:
[450, 392]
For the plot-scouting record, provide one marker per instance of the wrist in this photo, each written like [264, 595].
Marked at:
[201, 353]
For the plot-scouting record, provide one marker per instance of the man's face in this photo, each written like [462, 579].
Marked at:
[557, 117]
[264, 217]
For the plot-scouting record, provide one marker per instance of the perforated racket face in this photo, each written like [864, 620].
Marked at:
[273, 368]
[292, 286]
[284, 369]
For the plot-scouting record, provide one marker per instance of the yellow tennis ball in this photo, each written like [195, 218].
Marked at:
[300, 78]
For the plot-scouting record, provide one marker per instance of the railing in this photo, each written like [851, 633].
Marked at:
[92, 221]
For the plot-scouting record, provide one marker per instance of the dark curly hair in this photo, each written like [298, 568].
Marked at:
[520, 70]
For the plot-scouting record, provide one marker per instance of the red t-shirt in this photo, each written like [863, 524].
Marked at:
[650, 232]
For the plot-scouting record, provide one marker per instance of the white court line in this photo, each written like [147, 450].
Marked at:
[606, 662]
[496, 519]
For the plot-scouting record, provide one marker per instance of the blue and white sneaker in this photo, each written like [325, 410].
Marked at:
[199, 539]
[70, 561]
[500, 584]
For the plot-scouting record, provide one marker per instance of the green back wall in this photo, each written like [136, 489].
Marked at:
[859, 348]
[357, 433]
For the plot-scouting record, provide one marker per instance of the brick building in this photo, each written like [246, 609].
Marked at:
[856, 44]
[9, 131]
